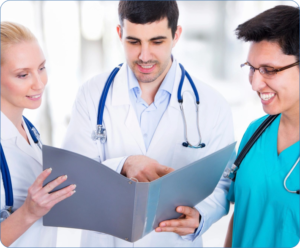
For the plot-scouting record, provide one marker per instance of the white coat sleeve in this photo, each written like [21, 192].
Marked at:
[78, 137]
[216, 205]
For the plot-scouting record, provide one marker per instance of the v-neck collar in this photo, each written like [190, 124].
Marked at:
[274, 162]
[292, 147]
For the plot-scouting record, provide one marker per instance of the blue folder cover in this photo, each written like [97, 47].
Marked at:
[108, 202]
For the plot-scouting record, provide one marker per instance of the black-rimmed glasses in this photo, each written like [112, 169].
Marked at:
[266, 71]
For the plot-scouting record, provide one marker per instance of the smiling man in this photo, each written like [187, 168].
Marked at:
[144, 125]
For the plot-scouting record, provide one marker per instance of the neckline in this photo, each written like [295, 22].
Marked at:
[276, 139]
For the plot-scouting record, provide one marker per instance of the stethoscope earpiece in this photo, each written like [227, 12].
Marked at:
[185, 144]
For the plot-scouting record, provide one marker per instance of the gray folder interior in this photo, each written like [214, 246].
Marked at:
[108, 202]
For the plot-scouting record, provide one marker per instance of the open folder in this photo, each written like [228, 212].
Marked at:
[108, 202]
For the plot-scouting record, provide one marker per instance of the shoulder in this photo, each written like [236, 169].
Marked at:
[210, 97]
[251, 129]
[95, 83]
[92, 88]
[254, 125]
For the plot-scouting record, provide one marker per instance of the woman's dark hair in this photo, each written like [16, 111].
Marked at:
[279, 24]
[142, 12]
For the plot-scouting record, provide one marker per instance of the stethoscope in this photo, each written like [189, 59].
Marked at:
[9, 198]
[231, 173]
[100, 132]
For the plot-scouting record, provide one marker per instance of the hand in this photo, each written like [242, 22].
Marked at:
[186, 224]
[39, 201]
[144, 169]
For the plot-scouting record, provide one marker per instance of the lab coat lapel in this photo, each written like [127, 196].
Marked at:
[120, 96]
[167, 126]
[9, 131]
[165, 131]
[25, 147]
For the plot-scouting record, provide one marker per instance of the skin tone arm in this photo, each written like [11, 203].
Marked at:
[37, 204]
[228, 240]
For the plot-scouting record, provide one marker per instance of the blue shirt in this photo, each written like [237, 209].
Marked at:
[150, 115]
[266, 214]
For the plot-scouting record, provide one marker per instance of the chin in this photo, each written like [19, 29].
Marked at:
[33, 106]
[271, 111]
[145, 78]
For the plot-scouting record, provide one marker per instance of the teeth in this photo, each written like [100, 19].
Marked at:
[147, 66]
[266, 96]
[37, 96]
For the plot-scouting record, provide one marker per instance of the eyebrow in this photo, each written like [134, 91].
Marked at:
[152, 39]
[29, 68]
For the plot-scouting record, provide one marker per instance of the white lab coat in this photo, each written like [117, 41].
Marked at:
[124, 138]
[25, 164]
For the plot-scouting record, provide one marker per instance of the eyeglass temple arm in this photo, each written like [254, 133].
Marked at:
[287, 67]
[242, 65]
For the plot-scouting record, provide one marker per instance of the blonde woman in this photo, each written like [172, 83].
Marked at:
[23, 80]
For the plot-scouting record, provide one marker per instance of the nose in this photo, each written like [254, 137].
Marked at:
[38, 82]
[257, 81]
[145, 53]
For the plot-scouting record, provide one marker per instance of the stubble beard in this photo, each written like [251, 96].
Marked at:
[148, 78]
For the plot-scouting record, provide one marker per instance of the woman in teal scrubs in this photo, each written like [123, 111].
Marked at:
[266, 213]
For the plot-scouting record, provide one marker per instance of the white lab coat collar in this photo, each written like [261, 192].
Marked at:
[120, 91]
[9, 131]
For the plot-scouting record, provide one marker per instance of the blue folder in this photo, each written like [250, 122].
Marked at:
[108, 202]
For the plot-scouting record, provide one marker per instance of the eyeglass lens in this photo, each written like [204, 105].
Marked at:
[266, 72]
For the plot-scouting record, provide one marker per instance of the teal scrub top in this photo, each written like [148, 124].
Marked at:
[265, 214]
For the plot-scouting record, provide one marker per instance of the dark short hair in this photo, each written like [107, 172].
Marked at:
[279, 24]
[142, 12]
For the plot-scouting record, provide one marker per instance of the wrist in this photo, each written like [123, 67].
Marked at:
[28, 217]
[124, 168]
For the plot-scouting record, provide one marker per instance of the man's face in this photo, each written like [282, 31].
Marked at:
[148, 48]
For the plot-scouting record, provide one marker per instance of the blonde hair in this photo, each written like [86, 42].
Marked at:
[14, 33]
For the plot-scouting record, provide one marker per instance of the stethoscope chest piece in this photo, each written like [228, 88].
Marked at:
[100, 134]
[4, 214]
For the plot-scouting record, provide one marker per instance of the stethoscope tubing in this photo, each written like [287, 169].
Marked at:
[9, 199]
[194, 87]
[104, 95]
[267, 122]
[232, 173]
[180, 101]
[287, 176]
[100, 132]
[183, 74]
